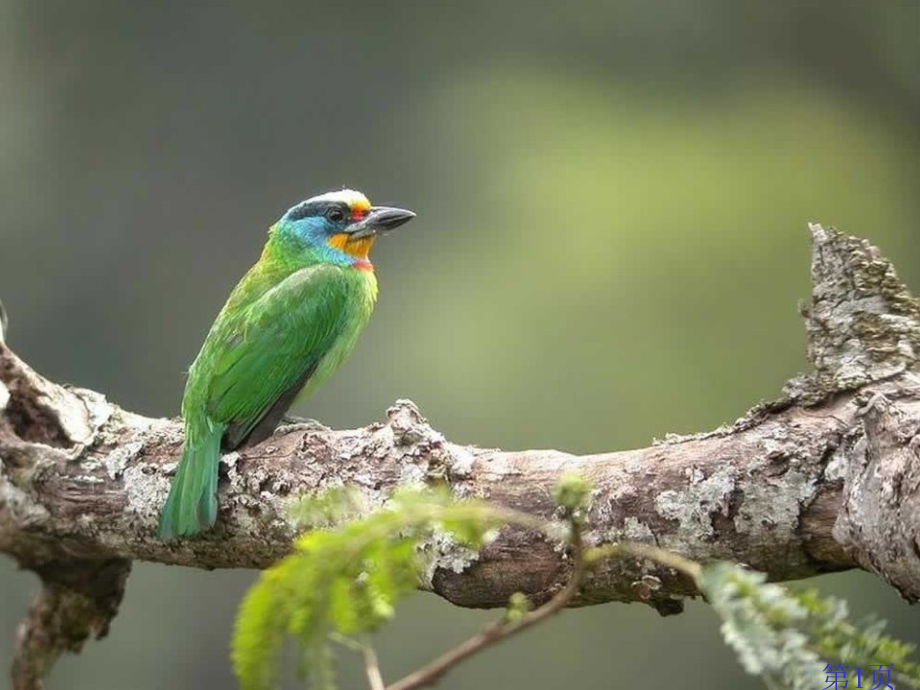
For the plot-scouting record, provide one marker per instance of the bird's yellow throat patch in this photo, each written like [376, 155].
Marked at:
[359, 248]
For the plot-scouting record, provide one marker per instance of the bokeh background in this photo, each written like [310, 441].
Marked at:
[611, 245]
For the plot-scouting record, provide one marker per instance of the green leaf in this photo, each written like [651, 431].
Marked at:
[345, 577]
[788, 637]
[572, 492]
[260, 631]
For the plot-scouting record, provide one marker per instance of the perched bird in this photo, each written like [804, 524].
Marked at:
[286, 327]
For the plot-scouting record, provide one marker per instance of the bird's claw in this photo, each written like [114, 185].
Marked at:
[289, 422]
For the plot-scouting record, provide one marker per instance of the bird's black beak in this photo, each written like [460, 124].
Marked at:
[379, 220]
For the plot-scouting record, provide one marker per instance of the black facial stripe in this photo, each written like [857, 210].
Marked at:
[317, 208]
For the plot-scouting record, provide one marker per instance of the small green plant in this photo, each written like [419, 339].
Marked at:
[795, 639]
[346, 575]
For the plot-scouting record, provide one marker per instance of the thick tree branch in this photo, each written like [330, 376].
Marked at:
[826, 479]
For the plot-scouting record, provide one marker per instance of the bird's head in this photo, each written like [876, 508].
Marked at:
[342, 225]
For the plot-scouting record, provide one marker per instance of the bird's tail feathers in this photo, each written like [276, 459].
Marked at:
[192, 503]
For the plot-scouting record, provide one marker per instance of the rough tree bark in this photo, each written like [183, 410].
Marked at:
[826, 478]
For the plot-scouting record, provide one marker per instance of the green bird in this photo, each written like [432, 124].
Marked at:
[286, 327]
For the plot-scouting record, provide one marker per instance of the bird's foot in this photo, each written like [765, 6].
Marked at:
[291, 422]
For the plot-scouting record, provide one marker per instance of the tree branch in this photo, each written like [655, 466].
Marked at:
[825, 479]
[78, 598]
[372, 668]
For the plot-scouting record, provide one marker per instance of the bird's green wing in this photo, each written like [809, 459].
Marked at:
[259, 357]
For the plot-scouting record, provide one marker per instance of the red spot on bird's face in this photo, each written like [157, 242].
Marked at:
[358, 213]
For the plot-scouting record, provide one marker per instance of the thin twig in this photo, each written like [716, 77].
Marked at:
[430, 673]
[668, 559]
[372, 668]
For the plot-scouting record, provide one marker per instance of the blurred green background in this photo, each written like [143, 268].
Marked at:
[611, 245]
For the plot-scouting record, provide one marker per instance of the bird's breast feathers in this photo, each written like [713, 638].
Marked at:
[370, 282]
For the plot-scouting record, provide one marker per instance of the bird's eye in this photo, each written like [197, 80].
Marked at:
[336, 215]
